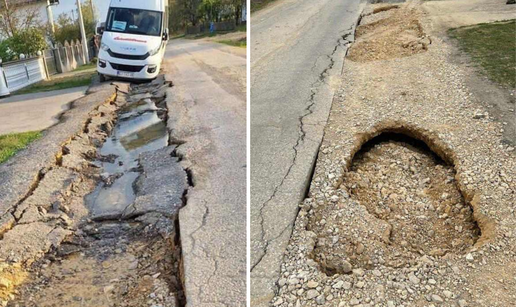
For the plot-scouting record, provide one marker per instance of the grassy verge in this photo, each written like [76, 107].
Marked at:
[176, 36]
[491, 47]
[86, 67]
[10, 144]
[61, 83]
[235, 43]
[241, 28]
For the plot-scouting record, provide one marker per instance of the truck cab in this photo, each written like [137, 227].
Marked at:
[134, 39]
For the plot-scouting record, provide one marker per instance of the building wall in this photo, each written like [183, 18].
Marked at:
[40, 7]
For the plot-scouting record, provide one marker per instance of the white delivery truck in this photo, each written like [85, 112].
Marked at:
[134, 39]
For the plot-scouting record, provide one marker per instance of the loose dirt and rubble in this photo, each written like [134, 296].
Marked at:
[99, 226]
[400, 182]
[412, 198]
[388, 32]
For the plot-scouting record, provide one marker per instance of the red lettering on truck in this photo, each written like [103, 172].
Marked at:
[129, 40]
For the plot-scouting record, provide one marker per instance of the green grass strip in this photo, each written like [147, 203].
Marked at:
[58, 84]
[492, 47]
[235, 43]
[10, 144]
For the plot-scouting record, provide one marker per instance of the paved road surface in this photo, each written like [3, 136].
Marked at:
[34, 112]
[297, 49]
[208, 113]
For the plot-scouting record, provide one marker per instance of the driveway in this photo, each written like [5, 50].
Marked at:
[461, 13]
[297, 48]
[34, 112]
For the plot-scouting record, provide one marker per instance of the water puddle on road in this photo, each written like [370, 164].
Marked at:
[139, 130]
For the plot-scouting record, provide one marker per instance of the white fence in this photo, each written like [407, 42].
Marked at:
[20, 74]
[63, 58]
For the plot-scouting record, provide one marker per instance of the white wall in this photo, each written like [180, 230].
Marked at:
[40, 7]
[20, 74]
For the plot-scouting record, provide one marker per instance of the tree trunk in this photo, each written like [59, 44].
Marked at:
[238, 13]
[12, 29]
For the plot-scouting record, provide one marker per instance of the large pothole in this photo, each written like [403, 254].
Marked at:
[398, 201]
[121, 245]
[388, 32]
[139, 130]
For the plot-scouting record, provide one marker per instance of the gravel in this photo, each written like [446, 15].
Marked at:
[422, 96]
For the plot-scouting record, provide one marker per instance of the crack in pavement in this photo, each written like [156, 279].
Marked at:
[40, 175]
[203, 223]
[343, 41]
[68, 215]
[33, 209]
[213, 272]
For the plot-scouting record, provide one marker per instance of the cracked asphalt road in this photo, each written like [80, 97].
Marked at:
[207, 116]
[297, 49]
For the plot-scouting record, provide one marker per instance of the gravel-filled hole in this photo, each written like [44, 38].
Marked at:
[386, 33]
[412, 203]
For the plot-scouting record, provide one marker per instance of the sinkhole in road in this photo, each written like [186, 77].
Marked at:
[399, 201]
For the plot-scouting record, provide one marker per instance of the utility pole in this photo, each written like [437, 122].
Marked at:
[83, 32]
[50, 17]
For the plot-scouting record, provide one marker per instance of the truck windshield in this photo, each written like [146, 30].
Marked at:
[134, 21]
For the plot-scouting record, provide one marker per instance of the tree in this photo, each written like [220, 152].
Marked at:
[68, 29]
[90, 23]
[189, 11]
[233, 9]
[28, 42]
[184, 13]
[210, 10]
[239, 6]
[176, 22]
[6, 54]
[16, 18]
[21, 28]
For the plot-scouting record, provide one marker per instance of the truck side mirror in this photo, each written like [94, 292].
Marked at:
[100, 30]
[165, 35]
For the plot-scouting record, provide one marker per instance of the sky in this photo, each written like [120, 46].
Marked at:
[66, 6]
